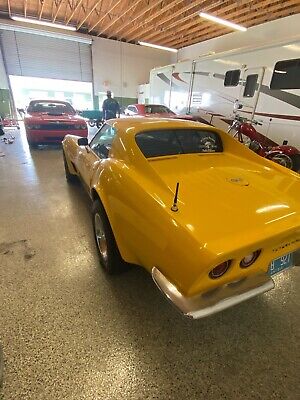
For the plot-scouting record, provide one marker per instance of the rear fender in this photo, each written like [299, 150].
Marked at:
[99, 184]
[288, 150]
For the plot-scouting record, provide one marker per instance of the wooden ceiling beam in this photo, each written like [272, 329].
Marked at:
[88, 14]
[74, 11]
[139, 15]
[157, 35]
[241, 19]
[57, 10]
[166, 19]
[42, 3]
[105, 15]
[119, 17]
[194, 25]
[9, 8]
[25, 8]
[271, 11]
[260, 16]
[129, 34]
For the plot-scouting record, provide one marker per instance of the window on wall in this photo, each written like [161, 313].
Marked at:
[232, 77]
[286, 75]
[250, 85]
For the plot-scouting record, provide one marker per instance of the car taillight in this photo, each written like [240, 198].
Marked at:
[219, 270]
[250, 259]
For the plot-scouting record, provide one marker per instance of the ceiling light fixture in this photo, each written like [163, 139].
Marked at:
[156, 46]
[223, 22]
[43, 23]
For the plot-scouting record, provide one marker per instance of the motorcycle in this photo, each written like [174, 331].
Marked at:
[245, 132]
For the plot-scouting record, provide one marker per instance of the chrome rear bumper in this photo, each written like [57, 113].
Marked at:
[215, 300]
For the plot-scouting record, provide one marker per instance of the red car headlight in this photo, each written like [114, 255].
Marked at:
[80, 127]
[219, 270]
[250, 259]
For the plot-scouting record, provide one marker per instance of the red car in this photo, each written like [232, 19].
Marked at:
[49, 121]
[157, 110]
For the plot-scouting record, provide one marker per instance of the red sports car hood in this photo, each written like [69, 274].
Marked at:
[44, 117]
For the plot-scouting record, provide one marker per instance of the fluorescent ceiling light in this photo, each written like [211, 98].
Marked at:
[223, 22]
[292, 47]
[156, 46]
[43, 23]
[228, 62]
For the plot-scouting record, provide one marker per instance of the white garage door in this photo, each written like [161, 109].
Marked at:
[46, 57]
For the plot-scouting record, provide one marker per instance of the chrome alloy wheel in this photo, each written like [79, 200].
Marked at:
[100, 237]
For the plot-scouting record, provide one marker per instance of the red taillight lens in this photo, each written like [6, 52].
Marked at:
[219, 270]
[250, 259]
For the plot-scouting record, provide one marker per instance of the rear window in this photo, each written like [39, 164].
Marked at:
[178, 141]
[157, 109]
[286, 75]
[51, 107]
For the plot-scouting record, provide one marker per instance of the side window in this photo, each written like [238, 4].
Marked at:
[232, 77]
[286, 75]
[102, 141]
[250, 85]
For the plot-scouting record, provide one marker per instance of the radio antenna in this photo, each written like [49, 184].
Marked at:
[174, 206]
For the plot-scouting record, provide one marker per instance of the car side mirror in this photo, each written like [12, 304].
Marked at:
[83, 141]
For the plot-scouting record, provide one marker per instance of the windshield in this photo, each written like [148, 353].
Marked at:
[157, 109]
[51, 107]
[178, 141]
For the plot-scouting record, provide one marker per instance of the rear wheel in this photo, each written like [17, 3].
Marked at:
[109, 254]
[71, 178]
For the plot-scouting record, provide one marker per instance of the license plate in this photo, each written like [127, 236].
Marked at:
[280, 264]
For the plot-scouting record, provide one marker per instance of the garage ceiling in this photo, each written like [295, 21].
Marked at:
[173, 23]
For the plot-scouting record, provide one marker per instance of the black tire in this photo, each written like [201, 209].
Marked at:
[296, 163]
[69, 177]
[110, 257]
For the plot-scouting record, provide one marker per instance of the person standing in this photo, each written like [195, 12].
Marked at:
[110, 107]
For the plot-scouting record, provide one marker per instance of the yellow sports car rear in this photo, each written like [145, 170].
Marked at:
[210, 219]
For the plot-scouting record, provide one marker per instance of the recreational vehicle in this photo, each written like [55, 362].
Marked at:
[261, 84]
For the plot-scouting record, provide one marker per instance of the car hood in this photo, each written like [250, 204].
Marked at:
[42, 117]
[225, 198]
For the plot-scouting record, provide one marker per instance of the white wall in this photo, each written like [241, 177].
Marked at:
[3, 77]
[281, 29]
[121, 67]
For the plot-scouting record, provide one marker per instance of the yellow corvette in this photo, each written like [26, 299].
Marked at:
[208, 218]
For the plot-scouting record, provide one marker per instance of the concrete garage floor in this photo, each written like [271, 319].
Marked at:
[70, 332]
